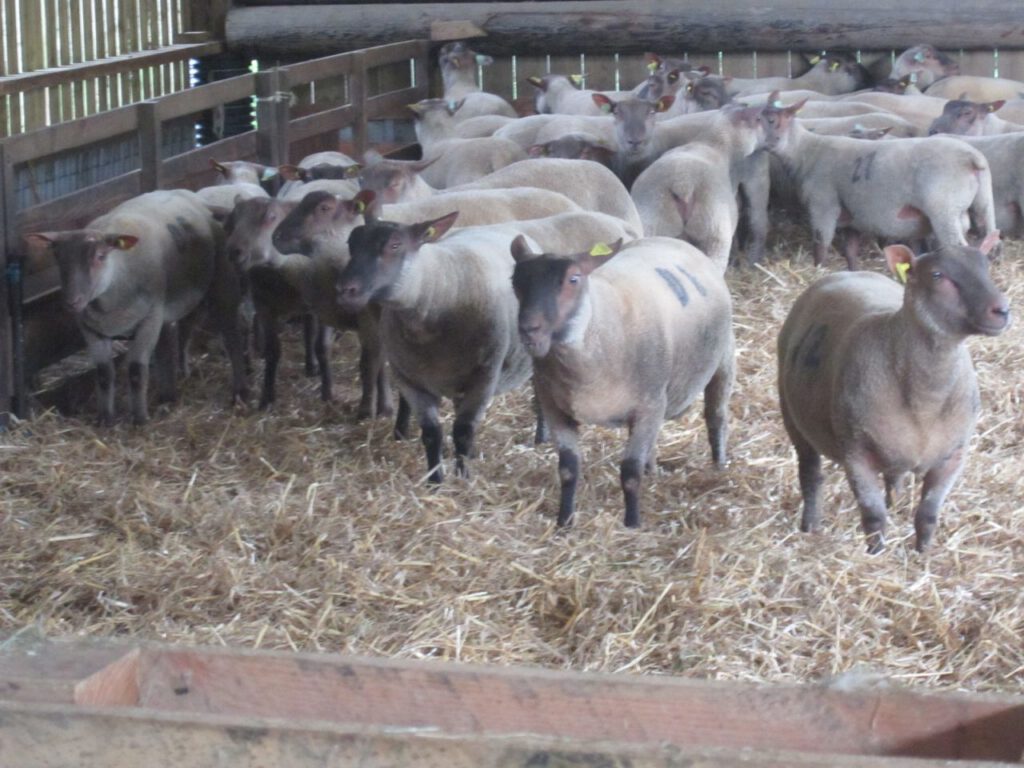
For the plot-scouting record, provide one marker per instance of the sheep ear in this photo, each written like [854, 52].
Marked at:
[606, 105]
[363, 202]
[991, 241]
[219, 167]
[576, 80]
[42, 240]
[994, 106]
[598, 255]
[773, 100]
[416, 108]
[353, 171]
[792, 109]
[432, 231]
[536, 82]
[900, 260]
[455, 106]
[664, 102]
[290, 172]
[521, 250]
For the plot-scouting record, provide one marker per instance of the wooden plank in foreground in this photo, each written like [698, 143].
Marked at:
[57, 736]
[158, 685]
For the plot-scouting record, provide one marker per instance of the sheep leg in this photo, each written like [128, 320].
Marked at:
[402, 419]
[870, 493]
[540, 434]
[167, 364]
[431, 436]
[809, 472]
[755, 211]
[936, 484]
[309, 336]
[139, 353]
[643, 434]
[851, 249]
[101, 352]
[375, 381]
[716, 408]
[271, 357]
[824, 217]
[321, 349]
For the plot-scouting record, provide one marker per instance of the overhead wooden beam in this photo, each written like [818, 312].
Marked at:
[623, 26]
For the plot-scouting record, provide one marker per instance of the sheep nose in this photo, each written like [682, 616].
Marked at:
[1002, 312]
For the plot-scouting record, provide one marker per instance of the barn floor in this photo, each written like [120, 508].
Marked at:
[303, 529]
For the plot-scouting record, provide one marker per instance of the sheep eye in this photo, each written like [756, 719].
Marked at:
[936, 275]
[574, 279]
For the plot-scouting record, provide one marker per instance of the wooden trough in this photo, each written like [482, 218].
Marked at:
[82, 704]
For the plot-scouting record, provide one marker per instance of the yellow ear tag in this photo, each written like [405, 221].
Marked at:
[430, 233]
[576, 79]
[652, 66]
[601, 250]
[834, 66]
[360, 206]
[901, 271]
[815, 60]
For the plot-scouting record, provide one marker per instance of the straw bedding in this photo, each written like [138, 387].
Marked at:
[304, 529]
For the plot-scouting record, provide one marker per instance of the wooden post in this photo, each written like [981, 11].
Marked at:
[358, 95]
[6, 356]
[150, 135]
[272, 107]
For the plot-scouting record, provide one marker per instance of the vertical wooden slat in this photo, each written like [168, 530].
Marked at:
[272, 118]
[150, 135]
[980, 63]
[52, 56]
[357, 94]
[497, 78]
[1011, 64]
[773, 65]
[76, 53]
[33, 59]
[6, 357]
[110, 90]
[632, 70]
[65, 10]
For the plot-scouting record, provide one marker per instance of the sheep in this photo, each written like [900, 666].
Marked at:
[688, 192]
[926, 63]
[243, 171]
[319, 225]
[918, 110]
[1005, 155]
[892, 125]
[317, 166]
[457, 161]
[458, 63]
[447, 320]
[898, 189]
[562, 95]
[286, 285]
[634, 122]
[575, 146]
[135, 272]
[963, 117]
[628, 340]
[748, 173]
[221, 197]
[830, 75]
[589, 185]
[879, 379]
[975, 88]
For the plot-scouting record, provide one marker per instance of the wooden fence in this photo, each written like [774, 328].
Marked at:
[299, 109]
[66, 59]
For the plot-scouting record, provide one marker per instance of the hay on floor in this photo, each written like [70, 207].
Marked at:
[303, 529]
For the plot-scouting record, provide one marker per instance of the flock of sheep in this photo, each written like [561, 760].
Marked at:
[584, 249]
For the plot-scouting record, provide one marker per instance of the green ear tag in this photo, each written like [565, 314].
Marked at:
[576, 79]
[600, 250]
[815, 60]
[652, 66]
[777, 104]
[269, 173]
[901, 271]
[360, 206]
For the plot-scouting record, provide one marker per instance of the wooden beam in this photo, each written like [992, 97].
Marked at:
[606, 26]
[162, 706]
[129, 62]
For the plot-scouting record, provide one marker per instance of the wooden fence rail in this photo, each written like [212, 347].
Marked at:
[283, 133]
